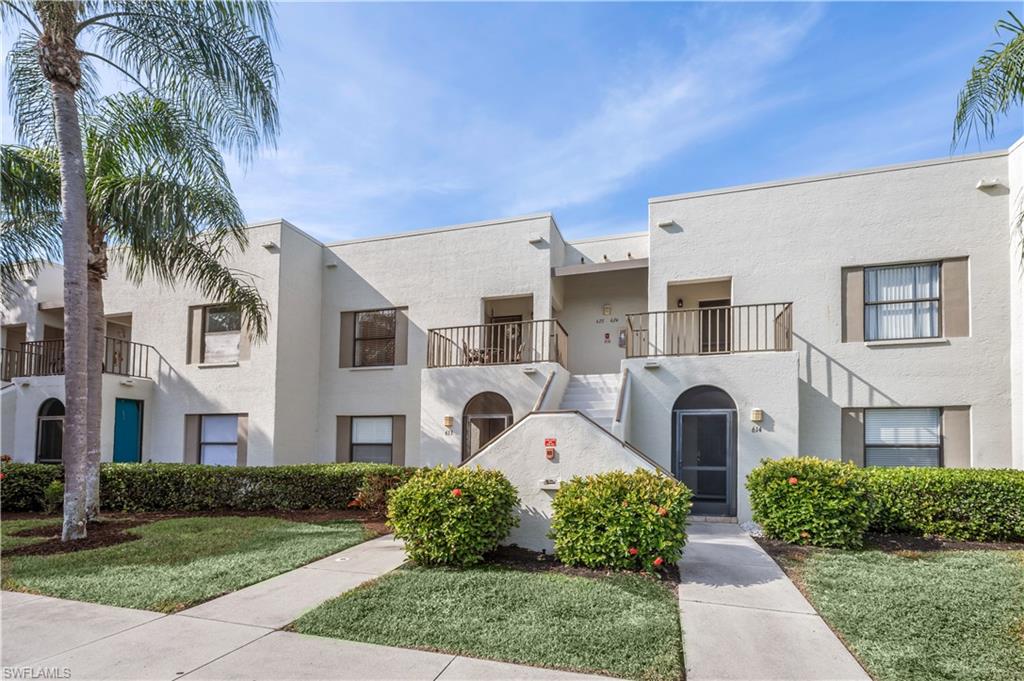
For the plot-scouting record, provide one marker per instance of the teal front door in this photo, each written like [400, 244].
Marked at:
[127, 431]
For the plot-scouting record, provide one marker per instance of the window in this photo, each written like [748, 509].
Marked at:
[902, 437]
[218, 439]
[372, 438]
[50, 432]
[901, 302]
[222, 334]
[374, 338]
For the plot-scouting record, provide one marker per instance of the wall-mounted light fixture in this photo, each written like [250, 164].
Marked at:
[679, 303]
[128, 382]
[666, 224]
[331, 265]
[987, 183]
[756, 415]
[448, 422]
[269, 245]
[536, 240]
[606, 309]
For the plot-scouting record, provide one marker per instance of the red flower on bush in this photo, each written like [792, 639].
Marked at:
[456, 492]
[793, 480]
[632, 550]
[2, 476]
[662, 511]
[658, 561]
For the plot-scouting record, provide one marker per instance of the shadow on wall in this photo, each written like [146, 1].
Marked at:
[835, 374]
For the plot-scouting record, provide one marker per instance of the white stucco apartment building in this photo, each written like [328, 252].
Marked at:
[874, 316]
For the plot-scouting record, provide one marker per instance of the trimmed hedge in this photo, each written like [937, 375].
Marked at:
[135, 487]
[968, 504]
[620, 520]
[804, 500]
[834, 504]
[453, 516]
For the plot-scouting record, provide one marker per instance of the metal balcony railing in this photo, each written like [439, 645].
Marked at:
[542, 340]
[766, 327]
[46, 358]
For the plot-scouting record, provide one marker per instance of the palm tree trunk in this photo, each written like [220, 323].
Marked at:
[60, 59]
[94, 392]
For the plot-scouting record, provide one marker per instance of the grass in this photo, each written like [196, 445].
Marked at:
[925, 616]
[179, 562]
[621, 624]
[9, 527]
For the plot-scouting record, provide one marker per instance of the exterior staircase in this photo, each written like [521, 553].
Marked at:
[594, 395]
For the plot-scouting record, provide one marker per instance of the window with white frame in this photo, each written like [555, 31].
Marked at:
[372, 439]
[901, 302]
[218, 439]
[222, 333]
[902, 437]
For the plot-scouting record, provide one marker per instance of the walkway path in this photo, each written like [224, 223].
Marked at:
[744, 619]
[232, 637]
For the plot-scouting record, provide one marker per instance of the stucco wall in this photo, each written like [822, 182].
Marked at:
[440, 276]
[446, 391]
[160, 318]
[27, 395]
[1016, 210]
[298, 349]
[789, 242]
[583, 449]
[617, 247]
[583, 317]
[767, 381]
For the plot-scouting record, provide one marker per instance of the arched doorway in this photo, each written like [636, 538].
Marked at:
[50, 431]
[483, 419]
[704, 448]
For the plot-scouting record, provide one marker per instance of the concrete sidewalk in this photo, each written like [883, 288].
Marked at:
[744, 619]
[232, 637]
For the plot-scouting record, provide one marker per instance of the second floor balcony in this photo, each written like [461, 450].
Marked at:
[46, 358]
[541, 340]
[766, 327]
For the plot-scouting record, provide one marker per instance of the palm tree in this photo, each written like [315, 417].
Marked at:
[158, 192]
[210, 59]
[996, 87]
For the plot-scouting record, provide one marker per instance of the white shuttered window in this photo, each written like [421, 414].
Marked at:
[372, 439]
[902, 437]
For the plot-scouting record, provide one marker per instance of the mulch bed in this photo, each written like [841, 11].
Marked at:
[902, 544]
[111, 528]
[531, 561]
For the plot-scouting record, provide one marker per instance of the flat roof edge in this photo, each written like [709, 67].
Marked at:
[448, 228]
[828, 176]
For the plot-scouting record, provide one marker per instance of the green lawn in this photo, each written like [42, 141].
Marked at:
[623, 624]
[180, 562]
[920, 617]
[9, 527]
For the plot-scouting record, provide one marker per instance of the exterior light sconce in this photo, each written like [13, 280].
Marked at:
[679, 303]
[757, 415]
[529, 371]
[606, 310]
[987, 183]
[448, 422]
[331, 265]
[128, 383]
[535, 240]
[666, 224]
[651, 364]
[270, 246]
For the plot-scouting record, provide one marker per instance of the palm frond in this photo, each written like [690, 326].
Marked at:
[212, 60]
[995, 86]
[30, 218]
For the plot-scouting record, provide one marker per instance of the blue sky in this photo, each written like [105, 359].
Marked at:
[400, 117]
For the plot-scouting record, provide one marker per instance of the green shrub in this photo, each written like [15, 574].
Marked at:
[376, 486]
[969, 504]
[804, 500]
[620, 520]
[24, 483]
[453, 515]
[53, 497]
[135, 487]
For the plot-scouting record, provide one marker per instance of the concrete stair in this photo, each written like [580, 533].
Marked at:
[594, 395]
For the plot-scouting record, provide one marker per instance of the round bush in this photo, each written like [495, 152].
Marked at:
[620, 520]
[804, 500]
[453, 516]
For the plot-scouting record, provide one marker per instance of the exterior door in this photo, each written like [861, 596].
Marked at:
[715, 326]
[705, 458]
[127, 431]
